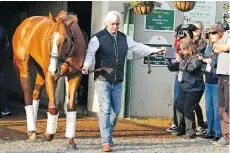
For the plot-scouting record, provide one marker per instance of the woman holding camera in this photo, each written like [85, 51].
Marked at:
[191, 87]
[197, 35]
[211, 84]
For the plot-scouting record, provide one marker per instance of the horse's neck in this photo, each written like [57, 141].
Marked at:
[79, 41]
[79, 51]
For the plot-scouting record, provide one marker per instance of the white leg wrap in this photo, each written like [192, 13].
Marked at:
[31, 125]
[70, 124]
[36, 105]
[66, 94]
[51, 123]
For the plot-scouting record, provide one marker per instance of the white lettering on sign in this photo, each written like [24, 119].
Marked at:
[204, 11]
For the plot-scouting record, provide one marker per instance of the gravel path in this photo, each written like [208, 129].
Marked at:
[120, 146]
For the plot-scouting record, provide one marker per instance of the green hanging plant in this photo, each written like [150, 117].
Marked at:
[227, 6]
[144, 7]
[184, 6]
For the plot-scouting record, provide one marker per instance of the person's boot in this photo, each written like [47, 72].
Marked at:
[106, 148]
[189, 135]
[177, 133]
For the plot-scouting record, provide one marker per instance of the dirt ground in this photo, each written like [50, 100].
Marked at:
[14, 127]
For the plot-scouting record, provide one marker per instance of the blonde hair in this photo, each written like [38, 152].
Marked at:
[201, 27]
[187, 43]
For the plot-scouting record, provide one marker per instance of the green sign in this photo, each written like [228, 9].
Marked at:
[156, 60]
[160, 20]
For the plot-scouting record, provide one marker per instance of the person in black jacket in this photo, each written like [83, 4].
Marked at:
[4, 44]
[191, 87]
[198, 37]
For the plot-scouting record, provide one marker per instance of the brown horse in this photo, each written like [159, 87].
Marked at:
[49, 44]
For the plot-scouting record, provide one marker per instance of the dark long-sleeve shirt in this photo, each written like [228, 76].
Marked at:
[191, 73]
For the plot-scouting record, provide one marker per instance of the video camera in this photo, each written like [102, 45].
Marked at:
[225, 26]
[182, 28]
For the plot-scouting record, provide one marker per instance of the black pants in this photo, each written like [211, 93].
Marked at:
[198, 112]
[2, 63]
[198, 109]
[199, 115]
[187, 103]
[3, 96]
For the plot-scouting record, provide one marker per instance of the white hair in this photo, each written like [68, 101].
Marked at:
[112, 15]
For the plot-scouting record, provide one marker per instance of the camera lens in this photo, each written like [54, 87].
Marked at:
[181, 33]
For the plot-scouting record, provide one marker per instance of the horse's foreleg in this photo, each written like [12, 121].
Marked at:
[39, 84]
[25, 80]
[71, 112]
[52, 108]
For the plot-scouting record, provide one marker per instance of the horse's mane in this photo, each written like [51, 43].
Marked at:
[63, 15]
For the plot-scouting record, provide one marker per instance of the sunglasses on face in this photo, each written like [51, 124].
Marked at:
[213, 33]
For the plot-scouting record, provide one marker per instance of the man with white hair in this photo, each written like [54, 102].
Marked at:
[109, 48]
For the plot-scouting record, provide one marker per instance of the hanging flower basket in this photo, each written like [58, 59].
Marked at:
[184, 6]
[227, 6]
[143, 7]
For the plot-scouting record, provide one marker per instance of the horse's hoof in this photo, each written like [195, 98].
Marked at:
[71, 147]
[48, 137]
[32, 137]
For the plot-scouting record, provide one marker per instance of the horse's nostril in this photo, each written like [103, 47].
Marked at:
[56, 71]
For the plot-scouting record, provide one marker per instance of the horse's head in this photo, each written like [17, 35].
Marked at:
[60, 42]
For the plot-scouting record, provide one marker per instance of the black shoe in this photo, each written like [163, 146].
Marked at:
[206, 137]
[173, 128]
[189, 136]
[215, 138]
[6, 112]
[177, 133]
[200, 130]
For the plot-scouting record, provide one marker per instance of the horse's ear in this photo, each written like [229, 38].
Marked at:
[51, 17]
[61, 16]
[72, 20]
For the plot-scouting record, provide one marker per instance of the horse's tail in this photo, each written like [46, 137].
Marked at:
[16, 66]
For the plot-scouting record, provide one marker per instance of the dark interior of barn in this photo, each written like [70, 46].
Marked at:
[12, 13]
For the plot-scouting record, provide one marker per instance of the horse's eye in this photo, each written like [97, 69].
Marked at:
[65, 40]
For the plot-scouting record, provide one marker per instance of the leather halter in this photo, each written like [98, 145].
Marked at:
[63, 58]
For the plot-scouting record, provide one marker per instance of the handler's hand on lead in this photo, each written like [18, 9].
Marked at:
[85, 70]
[163, 49]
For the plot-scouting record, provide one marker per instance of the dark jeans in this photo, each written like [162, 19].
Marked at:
[186, 105]
[212, 113]
[2, 63]
[223, 102]
[3, 97]
[198, 109]
[176, 98]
